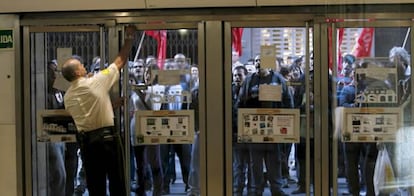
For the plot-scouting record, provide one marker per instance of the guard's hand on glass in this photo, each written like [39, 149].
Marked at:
[130, 32]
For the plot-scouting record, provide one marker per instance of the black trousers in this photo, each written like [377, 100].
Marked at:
[168, 154]
[102, 156]
[369, 153]
[149, 155]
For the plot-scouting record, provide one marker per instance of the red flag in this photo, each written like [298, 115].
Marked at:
[339, 52]
[340, 34]
[161, 37]
[364, 43]
[162, 48]
[236, 39]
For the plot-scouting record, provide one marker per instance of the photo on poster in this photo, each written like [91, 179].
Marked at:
[164, 127]
[369, 124]
[268, 125]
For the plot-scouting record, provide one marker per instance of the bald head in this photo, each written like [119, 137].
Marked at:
[179, 56]
[180, 60]
[73, 69]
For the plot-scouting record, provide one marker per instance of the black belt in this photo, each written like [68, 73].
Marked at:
[104, 133]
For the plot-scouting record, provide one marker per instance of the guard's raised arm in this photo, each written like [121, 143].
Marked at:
[122, 57]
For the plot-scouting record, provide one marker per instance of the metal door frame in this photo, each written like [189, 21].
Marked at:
[115, 26]
[383, 21]
[28, 139]
[301, 22]
[143, 25]
[212, 75]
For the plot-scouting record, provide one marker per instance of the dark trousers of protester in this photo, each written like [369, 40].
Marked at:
[102, 156]
[184, 155]
[369, 153]
[285, 152]
[300, 151]
[149, 155]
[71, 166]
[194, 175]
[132, 161]
[270, 154]
[56, 169]
[166, 158]
[62, 168]
[341, 159]
[241, 160]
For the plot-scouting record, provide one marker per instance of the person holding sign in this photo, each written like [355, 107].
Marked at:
[241, 157]
[251, 97]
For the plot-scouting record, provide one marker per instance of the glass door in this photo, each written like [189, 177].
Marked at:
[162, 116]
[371, 90]
[159, 121]
[56, 167]
[270, 82]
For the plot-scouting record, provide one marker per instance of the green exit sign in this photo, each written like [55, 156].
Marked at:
[6, 39]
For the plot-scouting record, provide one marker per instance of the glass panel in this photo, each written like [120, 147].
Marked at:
[58, 170]
[163, 103]
[269, 110]
[168, 59]
[373, 87]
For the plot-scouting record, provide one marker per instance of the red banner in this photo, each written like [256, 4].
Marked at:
[364, 43]
[340, 34]
[161, 37]
[236, 39]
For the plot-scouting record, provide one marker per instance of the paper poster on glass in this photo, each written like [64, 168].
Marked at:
[376, 83]
[172, 83]
[257, 125]
[268, 57]
[369, 124]
[55, 126]
[164, 127]
[175, 71]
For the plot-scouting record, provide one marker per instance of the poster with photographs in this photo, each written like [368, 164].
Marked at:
[55, 126]
[164, 127]
[369, 124]
[376, 82]
[268, 125]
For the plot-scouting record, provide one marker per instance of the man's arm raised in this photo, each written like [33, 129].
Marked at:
[123, 54]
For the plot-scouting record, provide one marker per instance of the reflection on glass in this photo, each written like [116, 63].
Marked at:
[372, 113]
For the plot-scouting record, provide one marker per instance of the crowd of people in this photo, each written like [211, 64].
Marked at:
[356, 160]
[359, 158]
[160, 159]
[249, 158]
[153, 166]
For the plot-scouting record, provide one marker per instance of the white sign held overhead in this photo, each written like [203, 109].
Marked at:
[62, 55]
[268, 57]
